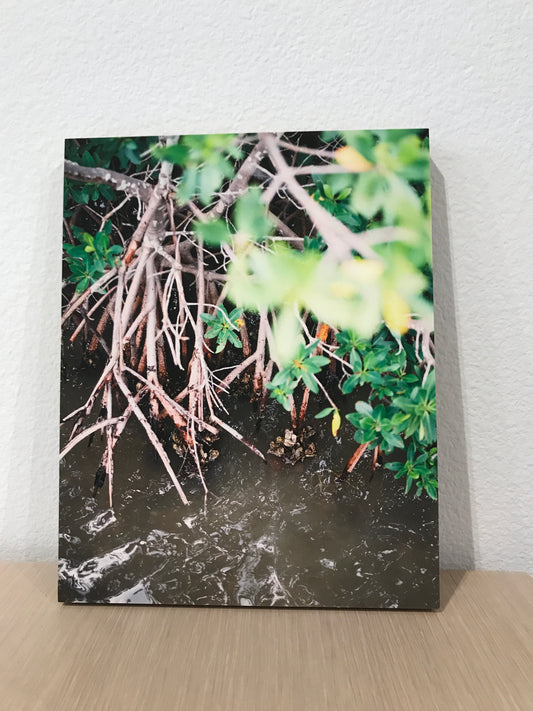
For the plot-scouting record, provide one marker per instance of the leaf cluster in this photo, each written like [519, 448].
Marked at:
[122, 154]
[418, 468]
[400, 408]
[222, 326]
[304, 366]
[88, 260]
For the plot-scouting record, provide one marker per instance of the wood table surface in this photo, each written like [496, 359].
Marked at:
[475, 653]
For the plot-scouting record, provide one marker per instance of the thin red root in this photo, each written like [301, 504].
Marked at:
[356, 456]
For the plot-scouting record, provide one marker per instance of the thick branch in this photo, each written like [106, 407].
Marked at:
[239, 184]
[103, 176]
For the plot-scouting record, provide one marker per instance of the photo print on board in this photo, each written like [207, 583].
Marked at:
[248, 385]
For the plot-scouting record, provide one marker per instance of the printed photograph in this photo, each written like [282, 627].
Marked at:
[248, 412]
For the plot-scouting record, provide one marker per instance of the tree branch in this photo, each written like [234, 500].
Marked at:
[340, 240]
[103, 176]
[239, 184]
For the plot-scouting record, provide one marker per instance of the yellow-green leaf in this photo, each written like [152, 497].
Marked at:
[335, 423]
[352, 160]
[396, 311]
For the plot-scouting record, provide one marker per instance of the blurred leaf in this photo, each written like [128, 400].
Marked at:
[187, 187]
[352, 160]
[213, 233]
[286, 334]
[369, 195]
[176, 153]
[251, 216]
[396, 311]
[210, 179]
[131, 153]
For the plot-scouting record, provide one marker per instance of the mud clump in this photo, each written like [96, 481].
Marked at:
[206, 451]
[291, 447]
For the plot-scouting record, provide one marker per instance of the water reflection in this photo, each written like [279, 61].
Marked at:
[268, 535]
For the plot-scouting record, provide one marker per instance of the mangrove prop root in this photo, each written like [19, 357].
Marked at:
[245, 339]
[375, 458]
[100, 326]
[151, 436]
[109, 443]
[303, 409]
[322, 331]
[356, 456]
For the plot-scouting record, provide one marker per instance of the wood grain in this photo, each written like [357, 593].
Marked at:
[475, 653]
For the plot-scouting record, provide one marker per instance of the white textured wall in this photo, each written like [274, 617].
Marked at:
[129, 68]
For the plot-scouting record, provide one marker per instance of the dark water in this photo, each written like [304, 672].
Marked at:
[267, 534]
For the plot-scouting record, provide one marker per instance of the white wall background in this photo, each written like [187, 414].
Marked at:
[132, 68]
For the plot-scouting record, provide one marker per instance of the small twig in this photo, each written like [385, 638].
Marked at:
[237, 436]
[237, 370]
[321, 152]
[87, 432]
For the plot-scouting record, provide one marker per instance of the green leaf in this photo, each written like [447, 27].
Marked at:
[310, 382]
[355, 360]
[82, 285]
[317, 361]
[432, 492]
[328, 192]
[324, 413]
[75, 251]
[107, 192]
[369, 194]
[284, 400]
[350, 384]
[87, 160]
[251, 216]
[234, 339]
[210, 180]
[404, 403]
[354, 419]
[213, 330]
[80, 196]
[235, 314]
[213, 233]
[374, 378]
[364, 408]
[78, 268]
[343, 194]
[177, 153]
[222, 340]
[188, 185]
[101, 242]
[393, 440]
